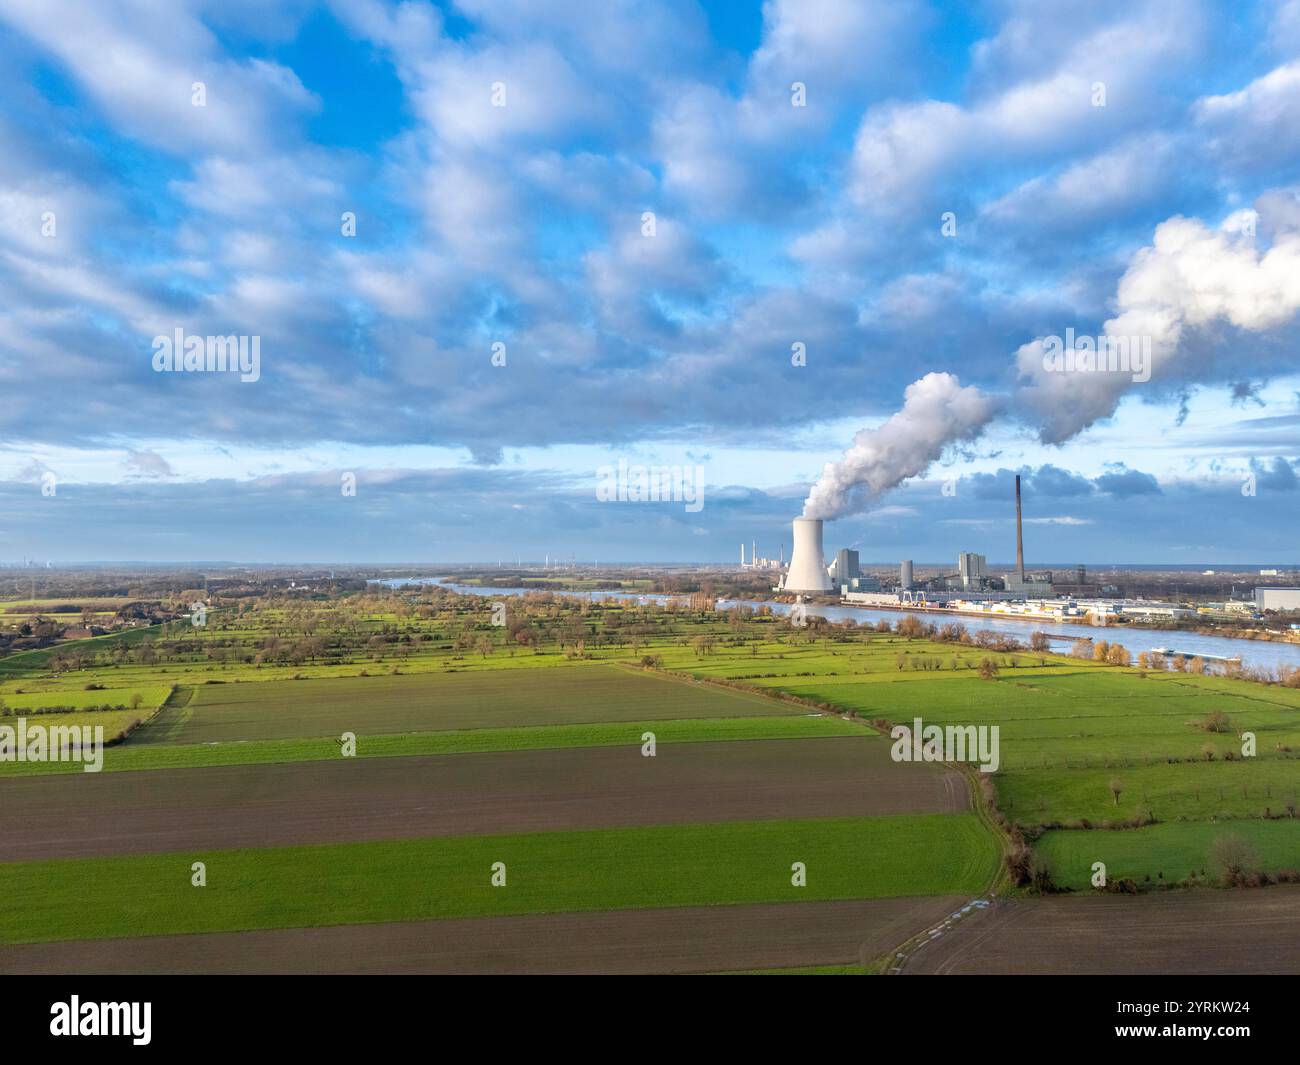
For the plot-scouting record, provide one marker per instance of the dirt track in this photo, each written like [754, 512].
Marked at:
[464, 794]
[696, 939]
[1202, 932]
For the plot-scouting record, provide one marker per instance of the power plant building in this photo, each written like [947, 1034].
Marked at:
[972, 569]
[845, 568]
[1277, 599]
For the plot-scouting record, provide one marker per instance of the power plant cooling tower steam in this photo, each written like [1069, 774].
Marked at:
[807, 571]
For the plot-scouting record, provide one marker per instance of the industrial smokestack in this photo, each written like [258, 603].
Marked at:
[1020, 538]
[807, 571]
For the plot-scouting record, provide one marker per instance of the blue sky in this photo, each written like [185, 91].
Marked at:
[1112, 168]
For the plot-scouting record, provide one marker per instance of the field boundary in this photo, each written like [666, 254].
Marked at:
[177, 702]
[759, 694]
[893, 963]
[981, 804]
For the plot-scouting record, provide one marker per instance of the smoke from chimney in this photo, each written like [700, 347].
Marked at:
[1191, 276]
[937, 411]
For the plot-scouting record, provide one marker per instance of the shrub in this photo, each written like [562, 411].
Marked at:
[1234, 859]
[1042, 880]
[1020, 864]
[1216, 721]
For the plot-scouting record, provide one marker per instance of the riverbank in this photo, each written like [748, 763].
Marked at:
[1251, 652]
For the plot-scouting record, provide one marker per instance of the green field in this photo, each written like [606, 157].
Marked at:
[33, 702]
[1163, 852]
[1068, 729]
[133, 757]
[625, 868]
[1166, 792]
[431, 673]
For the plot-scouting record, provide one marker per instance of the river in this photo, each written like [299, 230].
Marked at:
[1259, 654]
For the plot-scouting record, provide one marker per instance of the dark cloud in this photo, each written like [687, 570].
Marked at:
[1047, 480]
[1277, 476]
[1123, 482]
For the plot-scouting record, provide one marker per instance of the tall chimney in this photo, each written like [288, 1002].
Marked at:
[1020, 539]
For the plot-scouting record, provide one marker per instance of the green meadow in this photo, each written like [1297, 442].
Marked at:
[131, 757]
[1164, 853]
[625, 868]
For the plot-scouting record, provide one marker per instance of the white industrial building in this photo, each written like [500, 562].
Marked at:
[1277, 599]
[1102, 609]
[845, 568]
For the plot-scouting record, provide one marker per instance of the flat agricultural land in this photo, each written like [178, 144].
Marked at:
[480, 744]
[1199, 932]
[133, 758]
[34, 702]
[682, 940]
[549, 872]
[1084, 746]
[466, 794]
[1165, 853]
[434, 701]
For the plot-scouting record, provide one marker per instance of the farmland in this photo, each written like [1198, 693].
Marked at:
[1087, 750]
[453, 741]
[468, 794]
[683, 939]
[425, 702]
[365, 760]
[1181, 933]
[624, 868]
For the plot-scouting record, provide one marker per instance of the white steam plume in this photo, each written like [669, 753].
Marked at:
[1189, 277]
[937, 411]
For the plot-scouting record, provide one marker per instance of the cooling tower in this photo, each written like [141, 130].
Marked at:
[807, 572]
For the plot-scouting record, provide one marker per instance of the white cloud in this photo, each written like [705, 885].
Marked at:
[1257, 125]
[1191, 276]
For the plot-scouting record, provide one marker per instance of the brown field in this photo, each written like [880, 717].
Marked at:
[694, 939]
[1193, 933]
[463, 794]
[424, 702]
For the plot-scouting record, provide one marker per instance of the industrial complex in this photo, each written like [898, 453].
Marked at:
[971, 588]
